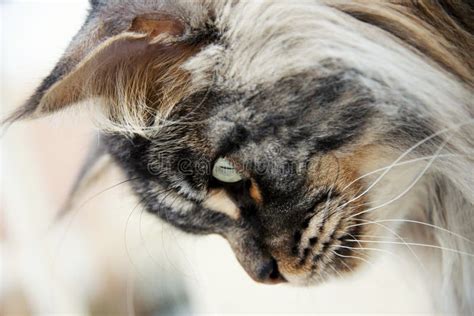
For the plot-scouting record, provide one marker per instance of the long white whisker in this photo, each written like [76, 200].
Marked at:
[401, 239]
[374, 236]
[388, 168]
[355, 238]
[416, 222]
[374, 249]
[125, 240]
[414, 182]
[353, 257]
[326, 207]
[370, 249]
[403, 163]
[347, 266]
[419, 245]
[334, 269]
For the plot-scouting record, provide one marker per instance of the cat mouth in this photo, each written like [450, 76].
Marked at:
[327, 247]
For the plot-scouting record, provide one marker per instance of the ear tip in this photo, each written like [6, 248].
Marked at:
[8, 121]
[26, 111]
[17, 115]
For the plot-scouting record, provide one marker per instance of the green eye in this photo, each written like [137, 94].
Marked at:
[224, 171]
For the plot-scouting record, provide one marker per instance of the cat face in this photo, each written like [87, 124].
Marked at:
[257, 121]
[289, 211]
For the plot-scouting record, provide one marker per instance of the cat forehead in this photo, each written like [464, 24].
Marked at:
[122, 9]
[261, 42]
[255, 42]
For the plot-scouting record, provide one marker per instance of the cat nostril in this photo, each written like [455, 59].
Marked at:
[269, 273]
[275, 274]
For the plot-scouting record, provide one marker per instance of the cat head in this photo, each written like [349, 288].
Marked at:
[264, 122]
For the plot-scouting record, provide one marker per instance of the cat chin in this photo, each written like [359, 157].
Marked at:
[303, 280]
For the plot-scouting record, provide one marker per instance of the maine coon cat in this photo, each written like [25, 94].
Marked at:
[303, 132]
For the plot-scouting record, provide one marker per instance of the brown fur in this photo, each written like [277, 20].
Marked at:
[441, 30]
[255, 193]
[322, 171]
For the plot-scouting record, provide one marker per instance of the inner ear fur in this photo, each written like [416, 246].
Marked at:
[134, 74]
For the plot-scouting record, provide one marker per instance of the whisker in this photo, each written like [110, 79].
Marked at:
[75, 213]
[403, 163]
[330, 265]
[375, 236]
[328, 276]
[417, 222]
[346, 265]
[362, 247]
[403, 241]
[349, 234]
[326, 207]
[125, 238]
[420, 245]
[414, 182]
[172, 264]
[337, 209]
[96, 195]
[142, 239]
[353, 257]
[371, 249]
[388, 168]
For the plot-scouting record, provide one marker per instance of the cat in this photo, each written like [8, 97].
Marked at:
[302, 132]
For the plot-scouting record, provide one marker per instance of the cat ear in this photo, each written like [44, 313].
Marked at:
[139, 63]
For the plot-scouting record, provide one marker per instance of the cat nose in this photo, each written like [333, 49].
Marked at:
[267, 272]
[259, 264]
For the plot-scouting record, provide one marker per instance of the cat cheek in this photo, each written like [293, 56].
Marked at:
[219, 201]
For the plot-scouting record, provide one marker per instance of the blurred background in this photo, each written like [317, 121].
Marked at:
[107, 256]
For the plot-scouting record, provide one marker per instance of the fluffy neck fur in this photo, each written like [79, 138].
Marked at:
[443, 32]
[448, 208]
